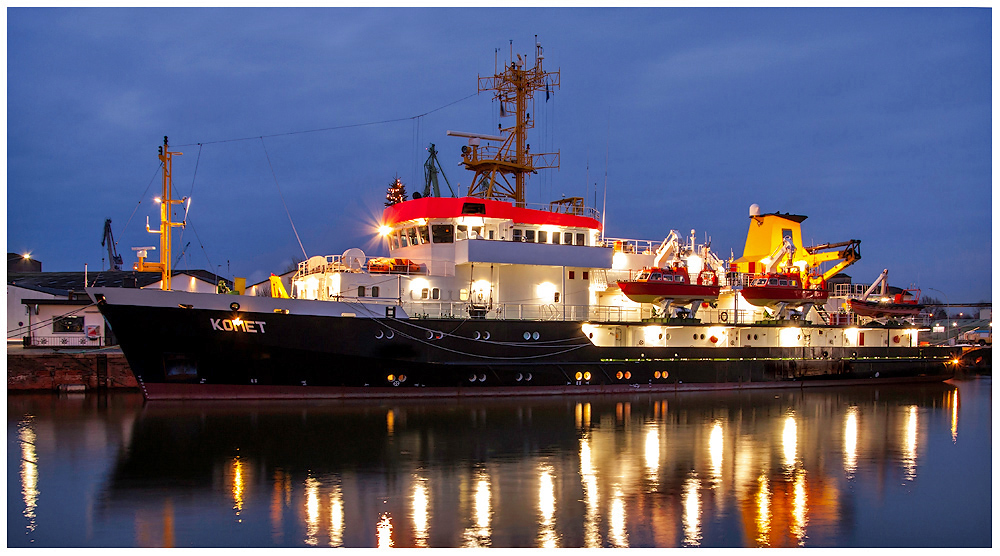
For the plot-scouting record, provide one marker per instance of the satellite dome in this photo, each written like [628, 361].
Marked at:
[754, 210]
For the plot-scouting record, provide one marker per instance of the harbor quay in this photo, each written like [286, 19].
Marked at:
[36, 369]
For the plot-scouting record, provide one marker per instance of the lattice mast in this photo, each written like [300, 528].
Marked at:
[514, 88]
[167, 225]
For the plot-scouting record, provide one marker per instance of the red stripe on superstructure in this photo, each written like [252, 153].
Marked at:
[449, 207]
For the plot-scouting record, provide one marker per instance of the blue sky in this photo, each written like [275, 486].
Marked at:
[875, 123]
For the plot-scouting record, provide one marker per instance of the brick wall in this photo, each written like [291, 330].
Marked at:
[49, 371]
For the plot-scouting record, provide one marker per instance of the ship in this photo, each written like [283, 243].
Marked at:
[485, 295]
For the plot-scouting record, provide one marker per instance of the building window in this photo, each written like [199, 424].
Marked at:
[361, 291]
[572, 274]
[543, 236]
[579, 239]
[374, 291]
[443, 233]
[586, 275]
[67, 325]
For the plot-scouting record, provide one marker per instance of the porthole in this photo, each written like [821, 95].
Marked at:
[619, 375]
[527, 335]
[379, 335]
[748, 336]
[656, 374]
[477, 334]
[586, 375]
[482, 378]
[668, 336]
[389, 335]
[665, 374]
[661, 335]
[579, 375]
[534, 336]
[520, 377]
[472, 378]
[591, 335]
[702, 336]
[402, 378]
[486, 335]
[430, 335]
[754, 336]
[628, 374]
[695, 337]
[528, 377]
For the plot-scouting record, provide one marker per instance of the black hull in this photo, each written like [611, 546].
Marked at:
[178, 353]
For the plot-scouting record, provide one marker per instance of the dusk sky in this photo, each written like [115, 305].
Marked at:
[875, 123]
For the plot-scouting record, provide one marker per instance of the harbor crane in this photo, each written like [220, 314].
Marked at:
[432, 167]
[114, 259]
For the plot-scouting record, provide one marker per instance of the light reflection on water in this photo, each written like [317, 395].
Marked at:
[719, 469]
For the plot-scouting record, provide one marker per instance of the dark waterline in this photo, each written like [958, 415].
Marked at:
[837, 467]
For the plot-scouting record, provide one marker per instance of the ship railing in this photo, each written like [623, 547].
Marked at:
[526, 311]
[638, 246]
[566, 208]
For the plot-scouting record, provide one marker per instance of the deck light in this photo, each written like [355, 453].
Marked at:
[384, 230]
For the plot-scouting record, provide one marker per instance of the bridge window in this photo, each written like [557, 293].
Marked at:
[555, 238]
[361, 291]
[517, 234]
[425, 236]
[374, 291]
[474, 208]
[568, 238]
[435, 293]
[443, 233]
[772, 282]
[529, 236]
[411, 234]
[461, 232]
[579, 239]
[543, 236]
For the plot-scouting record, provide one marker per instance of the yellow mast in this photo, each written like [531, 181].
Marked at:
[166, 201]
[514, 87]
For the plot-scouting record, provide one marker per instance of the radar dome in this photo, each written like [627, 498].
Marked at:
[754, 210]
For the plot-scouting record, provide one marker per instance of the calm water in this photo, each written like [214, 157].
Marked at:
[899, 466]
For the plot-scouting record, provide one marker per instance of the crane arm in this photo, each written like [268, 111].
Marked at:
[882, 279]
[668, 249]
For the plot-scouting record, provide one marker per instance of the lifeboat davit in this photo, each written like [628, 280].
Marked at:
[653, 285]
[781, 288]
[902, 305]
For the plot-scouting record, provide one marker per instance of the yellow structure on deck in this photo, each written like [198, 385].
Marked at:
[167, 226]
[764, 250]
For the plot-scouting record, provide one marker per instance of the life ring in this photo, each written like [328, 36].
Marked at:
[724, 316]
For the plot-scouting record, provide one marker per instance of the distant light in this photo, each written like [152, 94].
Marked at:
[28, 256]
[157, 199]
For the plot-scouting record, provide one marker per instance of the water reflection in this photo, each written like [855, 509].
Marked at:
[851, 441]
[29, 472]
[547, 537]
[765, 469]
[910, 444]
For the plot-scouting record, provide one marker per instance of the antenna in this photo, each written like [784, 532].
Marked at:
[607, 155]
